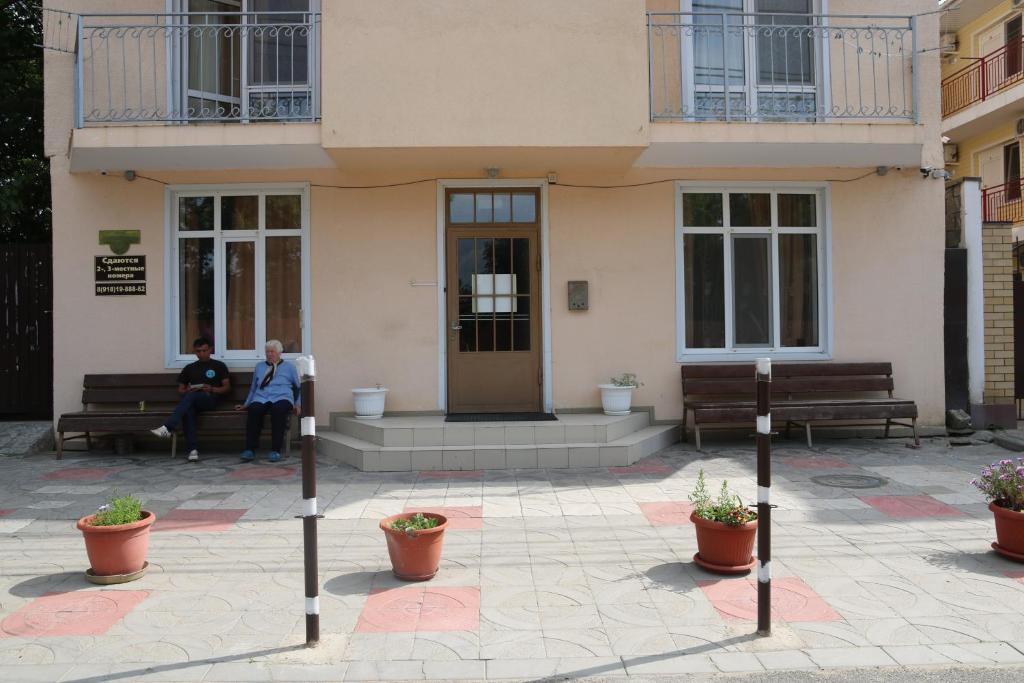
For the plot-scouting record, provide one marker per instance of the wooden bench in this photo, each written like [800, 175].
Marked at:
[112, 404]
[801, 394]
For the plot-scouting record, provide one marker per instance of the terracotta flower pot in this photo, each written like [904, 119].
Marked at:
[415, 555]
[722, 548]
[118, 549]
[1009, 532]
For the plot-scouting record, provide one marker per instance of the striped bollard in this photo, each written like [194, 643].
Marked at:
[307, 369]
[764, 510]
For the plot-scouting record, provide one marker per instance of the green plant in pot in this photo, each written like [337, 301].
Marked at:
[1003, 486]
[725, 528]
[414, 543]
[117, 540]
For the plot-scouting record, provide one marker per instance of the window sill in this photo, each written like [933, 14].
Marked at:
[747, 356]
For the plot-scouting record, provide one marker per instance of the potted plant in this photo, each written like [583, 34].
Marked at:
[725, 530]
[116, 540]
[369, 402]
[1003, 486]
[617, 396]
[414, 543]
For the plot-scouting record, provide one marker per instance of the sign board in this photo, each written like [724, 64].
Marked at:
[120, 275]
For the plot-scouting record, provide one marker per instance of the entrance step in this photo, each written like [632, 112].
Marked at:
[396, 444]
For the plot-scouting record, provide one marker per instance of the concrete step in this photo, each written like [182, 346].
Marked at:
[433, 431]
[373, 457]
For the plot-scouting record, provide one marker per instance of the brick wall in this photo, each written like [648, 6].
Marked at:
[997, 251]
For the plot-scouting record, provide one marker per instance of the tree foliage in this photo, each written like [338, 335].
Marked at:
[24, 171]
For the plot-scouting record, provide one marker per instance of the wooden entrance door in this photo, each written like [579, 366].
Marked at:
[493, 300]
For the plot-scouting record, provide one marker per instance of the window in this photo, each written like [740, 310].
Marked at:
[751, 271]
[1011, 170]
[238, 265]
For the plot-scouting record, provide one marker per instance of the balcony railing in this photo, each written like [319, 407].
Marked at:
[781, 67]
[986, 76]
[1003, 202]
[197, 67]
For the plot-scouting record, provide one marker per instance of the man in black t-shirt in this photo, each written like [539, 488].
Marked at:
[201, 384]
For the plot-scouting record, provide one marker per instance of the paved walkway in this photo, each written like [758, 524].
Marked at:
[574, 573]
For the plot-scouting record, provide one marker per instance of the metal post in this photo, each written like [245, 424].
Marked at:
[764, 514]
[307, 369]
[914, 67]
[79, 78]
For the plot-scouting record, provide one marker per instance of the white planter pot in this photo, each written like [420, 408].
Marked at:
[369, 402]
[615, 400]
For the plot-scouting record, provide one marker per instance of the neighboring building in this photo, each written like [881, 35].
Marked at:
[274, 161]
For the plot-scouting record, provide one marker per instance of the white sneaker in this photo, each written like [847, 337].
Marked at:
[160, 431]
[193, 456]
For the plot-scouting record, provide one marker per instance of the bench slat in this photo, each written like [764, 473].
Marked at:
[151, 379]
[787, 385]
[779, 370]
[808, 412]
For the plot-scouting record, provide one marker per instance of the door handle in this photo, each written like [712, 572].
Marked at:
[456, 325]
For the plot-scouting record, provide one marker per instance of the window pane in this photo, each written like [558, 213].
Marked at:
[524, 208]
[240, 213]
[195, 213]
[798, 211]
[798, 289]
[279, 43]
[240, 294]
[284, 212]
[284, 291]
[460, 207]
[704, 272]
[502, 207]
[752, 295]
[748, 210]
[484, 214]
[702, 209]
[195, 292]
[785, 55]
[707, 42]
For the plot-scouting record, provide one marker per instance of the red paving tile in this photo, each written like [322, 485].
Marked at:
[668, 513]
[459, 516]
[819, 463]
[906, 507]
[461, 474]
[1016, 575]
[792, 600]
[6, 511]
[254, 473]
[417, 608]
[81, 473]
[652, 466]
[86, 613]
[198, 520]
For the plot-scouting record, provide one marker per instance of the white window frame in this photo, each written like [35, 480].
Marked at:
[823, 351]
[236, 358]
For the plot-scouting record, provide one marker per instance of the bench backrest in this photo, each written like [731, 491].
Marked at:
[789, 380]
[153, 388]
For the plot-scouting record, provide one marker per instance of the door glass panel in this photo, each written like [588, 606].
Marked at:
[484, 211]
[702, 209]
[467, 265]
[460, 207]
[195, 213]
[503, 256]
[521, 264]
[503, 332]
[467, 333]
[240, 213]
[704, 304]
[752, 284]
[214, 60]
[502, 207]
[195, 291]
[524, 208]
[798, 211]
[485, 332]
[284, 291]
[521, 325]
[284, 212]
[494, 303]
[240, 294]
[798, 289]
[749, 210]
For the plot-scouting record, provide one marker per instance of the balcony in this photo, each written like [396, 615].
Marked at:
[1002, 203]
[987, 76]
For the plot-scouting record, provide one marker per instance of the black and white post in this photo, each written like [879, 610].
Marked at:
[764, 483]
[307, 370]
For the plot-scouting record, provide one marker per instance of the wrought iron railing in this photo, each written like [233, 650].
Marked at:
[986, 76]
[198, 67]
[1003, 202]
[781, 67]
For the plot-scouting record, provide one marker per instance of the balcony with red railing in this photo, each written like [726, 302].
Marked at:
[987, 76]
[1003, 202]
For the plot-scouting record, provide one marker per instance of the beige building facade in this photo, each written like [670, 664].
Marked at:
[407, 190]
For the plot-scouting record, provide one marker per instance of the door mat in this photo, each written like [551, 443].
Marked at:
[499, 417]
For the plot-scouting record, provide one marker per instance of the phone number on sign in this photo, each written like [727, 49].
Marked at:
[121, 289]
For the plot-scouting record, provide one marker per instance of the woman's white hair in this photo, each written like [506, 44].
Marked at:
[274, 344]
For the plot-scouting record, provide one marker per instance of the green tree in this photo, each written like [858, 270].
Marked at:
[24, 171]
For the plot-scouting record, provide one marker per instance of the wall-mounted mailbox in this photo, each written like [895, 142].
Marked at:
[579, 299]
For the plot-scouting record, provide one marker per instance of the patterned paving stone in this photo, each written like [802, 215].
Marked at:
[649, 466]
[416, 608]
[792, 600]
[823, 462]
[459, 516]
[667, 513]
[911, 507]
[220, 519]
[80, 474]
[86, 613]
[268, 472]
[451, 474]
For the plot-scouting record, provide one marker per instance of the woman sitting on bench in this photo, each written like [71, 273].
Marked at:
[275, 390]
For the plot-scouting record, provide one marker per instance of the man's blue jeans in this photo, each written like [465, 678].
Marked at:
[191, 404]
